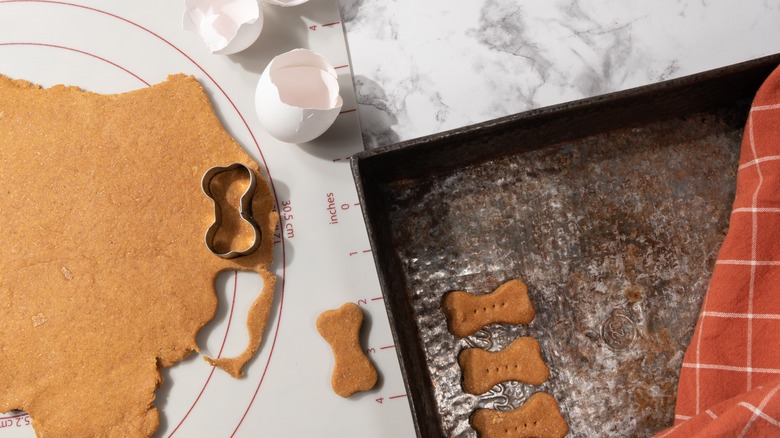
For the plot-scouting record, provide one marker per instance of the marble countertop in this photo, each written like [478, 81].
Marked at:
[426, 67]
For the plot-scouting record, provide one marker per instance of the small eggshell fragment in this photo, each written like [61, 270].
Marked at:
[225, 26]
[297, 98]
[286, 3]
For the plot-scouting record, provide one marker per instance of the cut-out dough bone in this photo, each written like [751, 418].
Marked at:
[520, 361]
[538, 417]
[353, 371]
[467, 313]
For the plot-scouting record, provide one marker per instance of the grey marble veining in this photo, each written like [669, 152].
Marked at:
[426, 67]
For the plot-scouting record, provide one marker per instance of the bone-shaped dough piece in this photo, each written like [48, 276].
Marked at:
[353, 371]
[467, 313]
[520, 361]
[538, 417]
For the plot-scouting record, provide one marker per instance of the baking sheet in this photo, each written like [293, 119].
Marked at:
[321, 259]
[611, 210]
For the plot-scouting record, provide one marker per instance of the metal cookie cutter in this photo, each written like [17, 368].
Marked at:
[244, 209]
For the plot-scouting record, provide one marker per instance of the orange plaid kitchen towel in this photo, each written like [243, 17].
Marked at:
[730, 377]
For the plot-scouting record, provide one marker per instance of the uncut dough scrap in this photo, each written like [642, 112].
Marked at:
[104, 276]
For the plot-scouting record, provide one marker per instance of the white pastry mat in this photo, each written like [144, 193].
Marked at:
[322, 257]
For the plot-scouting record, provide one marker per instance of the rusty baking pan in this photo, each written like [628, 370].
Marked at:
[611, 209]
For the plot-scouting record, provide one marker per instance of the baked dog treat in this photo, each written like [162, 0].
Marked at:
[466, 313]
[520, 361]
[104, 274]
[538, 417]
[353, 370]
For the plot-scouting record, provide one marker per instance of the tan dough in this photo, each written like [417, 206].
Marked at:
[467, 313]
[520, 361]
[104, 274]
[353, 370]
[538, 417]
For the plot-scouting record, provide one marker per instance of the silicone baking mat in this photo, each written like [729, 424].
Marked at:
[322, 255]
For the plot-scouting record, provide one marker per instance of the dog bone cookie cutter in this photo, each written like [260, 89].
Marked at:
[244, 209]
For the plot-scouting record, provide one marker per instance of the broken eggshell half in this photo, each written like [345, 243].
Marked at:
[297, 98]
[286, 3]
[225, 26]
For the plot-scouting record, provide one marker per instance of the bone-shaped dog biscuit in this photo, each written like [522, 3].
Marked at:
[467, 313]
[353, 371]
[538, 417]
[520, 361]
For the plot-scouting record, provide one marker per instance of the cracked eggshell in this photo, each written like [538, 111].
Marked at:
[285, 3]
[226, 26]
[297, 98]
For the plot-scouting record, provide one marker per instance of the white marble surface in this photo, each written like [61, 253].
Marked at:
[426, 67]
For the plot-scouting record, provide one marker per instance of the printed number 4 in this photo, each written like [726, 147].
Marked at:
[313, 27]
[380, 400]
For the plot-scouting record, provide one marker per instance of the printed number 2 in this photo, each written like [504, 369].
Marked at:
[363, 302]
